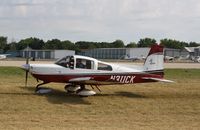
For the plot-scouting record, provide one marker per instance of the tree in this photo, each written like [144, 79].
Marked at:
[193, 44]
[36, 43]
[146, 42]
[3, 42]
[85, 45]
[169, 43]
[131, 45]
[103, 45]
[68, 45]
[33, 43]
[12, 46]
[53, 44]
[117, 44]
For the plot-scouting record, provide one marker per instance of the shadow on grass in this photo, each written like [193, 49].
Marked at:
[123, 94]
[59, 97]
[63, 93]
[15, 93]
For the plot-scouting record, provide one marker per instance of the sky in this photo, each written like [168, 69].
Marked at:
[100, 20]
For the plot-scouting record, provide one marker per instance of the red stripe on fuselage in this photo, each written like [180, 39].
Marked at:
[99, 79]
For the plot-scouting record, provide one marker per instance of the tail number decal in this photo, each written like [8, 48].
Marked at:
[123, 79]
[151, 62]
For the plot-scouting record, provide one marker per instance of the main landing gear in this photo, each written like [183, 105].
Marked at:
[70, 88]
[79, 90]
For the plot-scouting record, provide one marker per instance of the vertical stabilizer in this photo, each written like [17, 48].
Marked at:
[154, 60]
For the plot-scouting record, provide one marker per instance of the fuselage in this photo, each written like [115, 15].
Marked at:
[99, 73]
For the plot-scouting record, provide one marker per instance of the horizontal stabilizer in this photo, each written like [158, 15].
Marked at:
[158, 79]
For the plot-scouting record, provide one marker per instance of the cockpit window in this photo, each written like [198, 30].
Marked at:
[67, 62]
[106, 67]
[84, 64]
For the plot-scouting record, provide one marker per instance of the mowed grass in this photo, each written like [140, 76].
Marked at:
[138, 106]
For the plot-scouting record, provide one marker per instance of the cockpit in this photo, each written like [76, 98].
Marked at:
[80, 62]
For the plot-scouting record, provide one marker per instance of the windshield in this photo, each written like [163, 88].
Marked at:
[67, 62]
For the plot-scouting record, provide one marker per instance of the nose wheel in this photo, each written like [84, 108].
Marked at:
[42, 90]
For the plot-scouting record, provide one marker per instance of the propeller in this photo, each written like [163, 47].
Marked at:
[27, 66]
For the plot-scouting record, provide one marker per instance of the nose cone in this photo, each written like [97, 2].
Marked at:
[25, 67]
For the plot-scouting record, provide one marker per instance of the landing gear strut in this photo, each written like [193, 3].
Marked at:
[39, 89]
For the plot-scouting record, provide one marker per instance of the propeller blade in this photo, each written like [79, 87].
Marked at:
[26, 80]
[27, 64]
[27, 55]
[27, 59]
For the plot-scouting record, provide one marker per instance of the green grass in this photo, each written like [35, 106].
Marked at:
[182, 73]
[11, 71]
[139, 106]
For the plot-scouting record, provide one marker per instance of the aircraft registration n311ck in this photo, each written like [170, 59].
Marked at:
[78, 71]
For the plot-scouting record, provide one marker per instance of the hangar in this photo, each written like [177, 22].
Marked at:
[122, 53]
[115, 53]
[175, 52]
[46, 54]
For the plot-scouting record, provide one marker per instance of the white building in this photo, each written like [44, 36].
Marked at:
[46, 54]
[129, 53]
[140, 53]
[116, 53]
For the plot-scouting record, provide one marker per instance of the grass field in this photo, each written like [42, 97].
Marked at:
[140, 106]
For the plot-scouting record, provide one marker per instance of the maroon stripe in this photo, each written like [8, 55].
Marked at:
[155, 49]
[99, 79]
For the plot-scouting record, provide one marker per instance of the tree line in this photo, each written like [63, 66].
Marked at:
[36, 43]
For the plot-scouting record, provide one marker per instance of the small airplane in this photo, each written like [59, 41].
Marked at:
[3, 56]
[197, 59]
[78, 71]
[168, 58]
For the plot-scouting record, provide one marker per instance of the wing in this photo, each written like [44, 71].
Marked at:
[83, 80]
[80, 79]
[157, 79]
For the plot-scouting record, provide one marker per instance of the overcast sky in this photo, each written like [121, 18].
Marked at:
[100, 20]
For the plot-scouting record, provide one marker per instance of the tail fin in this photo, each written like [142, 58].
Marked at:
[154, 61]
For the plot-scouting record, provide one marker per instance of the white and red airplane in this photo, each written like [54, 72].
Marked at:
[78, 71]
[3, 56]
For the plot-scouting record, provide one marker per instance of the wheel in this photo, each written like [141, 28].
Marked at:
[71, 88]
[85, 92]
